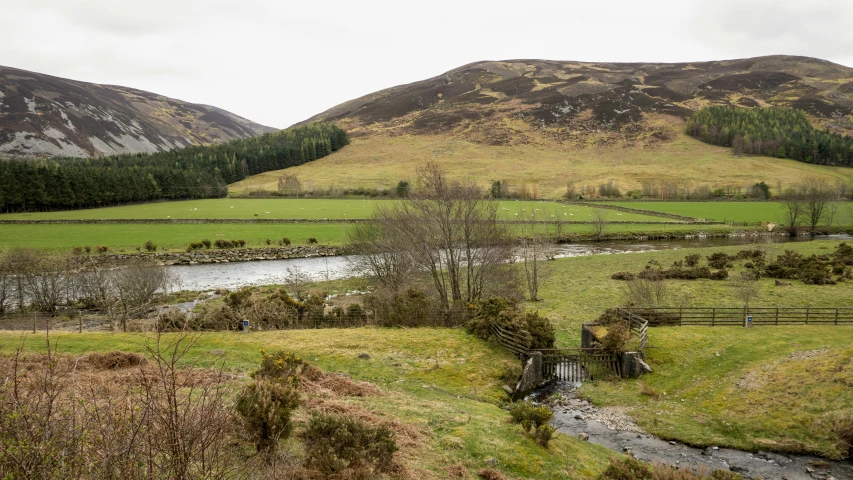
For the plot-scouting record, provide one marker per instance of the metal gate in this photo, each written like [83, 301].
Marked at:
[580, 364]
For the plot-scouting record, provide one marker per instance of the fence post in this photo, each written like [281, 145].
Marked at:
[777, 315]
[713, 315]
[836, 316]
[807, 315]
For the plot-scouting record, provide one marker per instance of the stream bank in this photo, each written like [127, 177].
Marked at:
[613, 428]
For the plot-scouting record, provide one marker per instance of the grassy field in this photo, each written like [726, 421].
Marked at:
[545, 165]
[765, 388]
[580, 289]
[736, 211]
[125, 238]
[746, 388]
[445, 388]
[312, 209]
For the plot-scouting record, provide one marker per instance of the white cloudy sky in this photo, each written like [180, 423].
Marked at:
[279, 62]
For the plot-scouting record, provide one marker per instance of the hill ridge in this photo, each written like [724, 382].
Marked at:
[43, 115]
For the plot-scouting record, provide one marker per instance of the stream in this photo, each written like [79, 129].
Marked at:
[611, 427]
[240, 274]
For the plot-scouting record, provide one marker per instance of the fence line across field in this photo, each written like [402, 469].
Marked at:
[734, 316]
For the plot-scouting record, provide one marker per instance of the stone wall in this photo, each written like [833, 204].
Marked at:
[217, 255]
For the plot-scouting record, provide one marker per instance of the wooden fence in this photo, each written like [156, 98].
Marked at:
[516, 342]
[735, 316]
[580, 364]
[637, 325]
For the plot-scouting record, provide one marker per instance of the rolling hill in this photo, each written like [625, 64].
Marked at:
[47, 116]
[542, 124]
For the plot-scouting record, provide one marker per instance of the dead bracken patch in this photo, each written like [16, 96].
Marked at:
[115, 360]
[490, 473]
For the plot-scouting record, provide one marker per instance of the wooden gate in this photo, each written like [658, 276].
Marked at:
[579, 364]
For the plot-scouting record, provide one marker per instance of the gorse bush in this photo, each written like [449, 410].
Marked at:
[150, 246]
[534, 420]
[265, 408]
[281, 366]
[336, 443]
[507, 314]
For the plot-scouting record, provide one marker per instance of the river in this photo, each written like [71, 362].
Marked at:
[239, 274]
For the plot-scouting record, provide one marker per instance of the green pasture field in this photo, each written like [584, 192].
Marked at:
[732, 211]
[441, 382]
[579, 289]
[763, 388]
[126, 237]
[726, 386]
[312, 209]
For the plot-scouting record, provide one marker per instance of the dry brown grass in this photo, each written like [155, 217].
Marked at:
[490, 473]
[545, 165]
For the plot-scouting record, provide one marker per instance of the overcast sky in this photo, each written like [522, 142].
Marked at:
[279, 62]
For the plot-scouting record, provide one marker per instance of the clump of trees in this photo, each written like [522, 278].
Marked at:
[193, 172]
[34, 280]
[775, 132]
[810, 204]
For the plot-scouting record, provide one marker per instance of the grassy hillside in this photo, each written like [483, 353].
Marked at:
[545, 166]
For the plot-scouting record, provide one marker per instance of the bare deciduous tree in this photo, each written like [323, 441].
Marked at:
[289, 185]
[599, 221]
[746, 287]
[125, 292]
[7, 282]
[46, 282]
[295, 280]
[535, 251]
[649, 292]
[449, 232]
[817, 197]
[381, 257]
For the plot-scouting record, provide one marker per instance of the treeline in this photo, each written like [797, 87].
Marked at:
[775, 132]
[193, 172]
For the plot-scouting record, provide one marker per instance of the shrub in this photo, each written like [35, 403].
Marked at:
[541, 329]
[511, 372]
[355, 313]
[265, 408]
[506, 313]
[196, 246]
[115, 360]
[281, 366]
[268, 241]
[490, 473]
[239, 243]
[720, 260]
[622, 276]
[336, 443]
[285, 241]
[87, 249]
[692, 260]
[410, 308]
[312, 240]
[77, 251]
[534, 420]
[102, 249]
[150, 246]
[617, 337]
[222, 243]
[206, 243]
